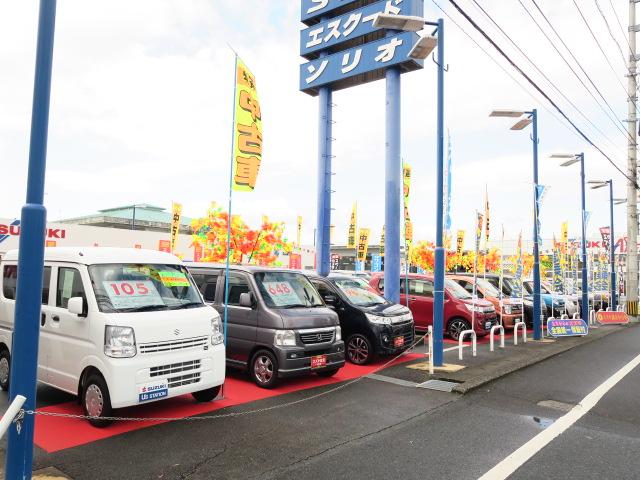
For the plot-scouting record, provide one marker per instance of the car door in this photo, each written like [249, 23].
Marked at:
[242, 322]
[421, 301]
[44, 347]
[68, 333]
[207, 282]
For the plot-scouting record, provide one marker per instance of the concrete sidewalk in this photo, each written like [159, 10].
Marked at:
[473, 372]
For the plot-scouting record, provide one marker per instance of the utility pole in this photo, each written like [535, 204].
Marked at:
[632, 195]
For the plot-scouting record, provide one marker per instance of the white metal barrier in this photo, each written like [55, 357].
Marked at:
[516, 327]
[11, 413]
[576, 316]
[473, 342]
[430, 333]
[564, 317]
[592, 317]
[492, 333]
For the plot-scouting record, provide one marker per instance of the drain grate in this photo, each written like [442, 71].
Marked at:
[440, 385]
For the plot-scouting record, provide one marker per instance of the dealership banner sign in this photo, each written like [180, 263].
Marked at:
[351, 241]
[612, 318]
[176, 210]
[567, 327]
[363, 244]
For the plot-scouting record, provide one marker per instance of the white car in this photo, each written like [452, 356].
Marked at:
[119, 327]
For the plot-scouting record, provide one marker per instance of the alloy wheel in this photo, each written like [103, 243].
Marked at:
[94, 401]
[4, 370]
[358, 350]
[263, 369]
[456, 328]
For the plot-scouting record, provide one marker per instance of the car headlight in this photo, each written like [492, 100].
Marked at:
[474, 308]
[377, 319]
[507, 309]
[119, 342]
[338, 333]
[217, 332]
[284, 338]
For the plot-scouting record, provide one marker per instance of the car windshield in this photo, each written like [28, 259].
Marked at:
[143, 287]
[357, 294]
[287, 290]
[456, 290]
[488, 289]
[528, 286]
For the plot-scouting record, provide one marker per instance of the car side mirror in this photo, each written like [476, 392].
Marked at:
[246, 300]
[331, 300]
[77, 306]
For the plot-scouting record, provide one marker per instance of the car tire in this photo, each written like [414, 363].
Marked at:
[264, 369]
[457, 326]
[204, 396]
[328, 373]
[359, 349]
[96, 402]
[5, 369]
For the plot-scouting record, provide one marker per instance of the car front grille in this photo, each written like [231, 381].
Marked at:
[171, 345]
[165, 370]
[182, 380]
[310, 338]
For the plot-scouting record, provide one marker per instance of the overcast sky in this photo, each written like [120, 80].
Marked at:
[141, 113]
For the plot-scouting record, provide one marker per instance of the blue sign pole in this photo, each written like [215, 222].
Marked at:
[323, 232]
[537, 321]
[438, 300]
[33, 223]
[393, 182]
[612, 246]
[585, 278]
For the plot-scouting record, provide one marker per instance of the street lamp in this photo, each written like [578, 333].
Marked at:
[530, 117]
[570, 159]
[421, 50]
[599, 184]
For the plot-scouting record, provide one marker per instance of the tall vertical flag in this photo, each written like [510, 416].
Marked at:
[353, 222]
[517, 292]
[540, 192]
[176, 211]
[299, 231]
[558, 283]
[564, 244]
[460, 242]
[406, 188]
[247, 137]
[447, 188]
[363, 244]
[480, 219]
[486, 216]
[382, 242]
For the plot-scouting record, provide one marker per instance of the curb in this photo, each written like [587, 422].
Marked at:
[542, 355]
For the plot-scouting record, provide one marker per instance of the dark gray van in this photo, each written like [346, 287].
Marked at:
[277, 326]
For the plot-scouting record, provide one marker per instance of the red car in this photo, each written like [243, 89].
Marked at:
[459, 306]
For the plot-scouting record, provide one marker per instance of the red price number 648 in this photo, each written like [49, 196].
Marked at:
[279, 289]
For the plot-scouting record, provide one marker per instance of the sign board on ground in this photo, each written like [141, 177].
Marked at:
[612, 318]
[567, 327]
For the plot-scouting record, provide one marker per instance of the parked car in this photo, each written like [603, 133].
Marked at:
[119, 327]
[277, 325]
[557, 304]
[459, 307]
[370, 324]
[509, 309]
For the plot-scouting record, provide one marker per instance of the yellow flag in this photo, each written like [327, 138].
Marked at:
[486, 215]
[382, 242]
[479, 230]
[460, 242]
[363, 244]
[351, 241]
[299, 230]
[247, 131]
[176, 210]
[406, 188]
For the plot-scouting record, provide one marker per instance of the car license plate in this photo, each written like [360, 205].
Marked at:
[487, 325]
[153, 391]
[398, 342]
[319, 361]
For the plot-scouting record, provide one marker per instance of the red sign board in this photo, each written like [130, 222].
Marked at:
[197, 252]
[612, 318]
[164, 246]
[295, 261]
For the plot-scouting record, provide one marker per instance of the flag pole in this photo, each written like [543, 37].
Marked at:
[233, 128]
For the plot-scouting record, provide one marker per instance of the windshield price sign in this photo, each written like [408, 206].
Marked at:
[371, 58]
[567, 327]
[132, 294]
[351, 25]
[282, 293]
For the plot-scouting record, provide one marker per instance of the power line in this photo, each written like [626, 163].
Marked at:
[595, 39]
[542, 92]
[560, 120]
[606, 22]
[532, 63]
[535, 3]
[624, 33]
[618, 124]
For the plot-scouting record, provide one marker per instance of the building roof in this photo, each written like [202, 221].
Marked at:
[143, 213]
[102, 255]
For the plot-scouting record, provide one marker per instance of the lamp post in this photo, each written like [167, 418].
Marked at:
[570, 159]
[527, 118]
[599, 184]
[421, 50]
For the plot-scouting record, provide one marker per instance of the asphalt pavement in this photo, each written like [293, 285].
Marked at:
[374, 429]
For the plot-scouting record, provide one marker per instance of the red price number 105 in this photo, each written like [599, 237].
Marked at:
[279, 289]
[125, 288]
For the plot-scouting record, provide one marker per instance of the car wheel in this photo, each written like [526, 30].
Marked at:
[264, 369]
[328, 373]
[5, 369]
[207, 395]
[359, 349]
[457, 326]
[96, 402]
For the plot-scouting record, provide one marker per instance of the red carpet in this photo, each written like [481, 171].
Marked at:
[56, 433]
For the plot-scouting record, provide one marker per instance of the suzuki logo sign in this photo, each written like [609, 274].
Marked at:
[13, 230]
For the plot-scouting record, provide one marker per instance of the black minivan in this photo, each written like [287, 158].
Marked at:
[370, 324]
[277, 325]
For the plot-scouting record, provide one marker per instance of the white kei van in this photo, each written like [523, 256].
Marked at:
[118, 327]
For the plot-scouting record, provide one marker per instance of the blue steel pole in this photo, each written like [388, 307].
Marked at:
[438, 303]
[585, 278]
[323, 232]
[393, 181]
[537, 321]
[31, 256]
[612, 246]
